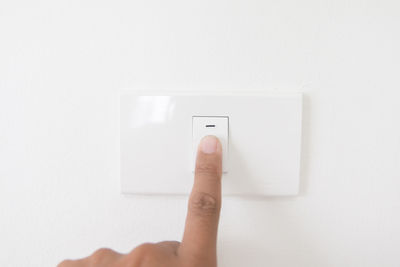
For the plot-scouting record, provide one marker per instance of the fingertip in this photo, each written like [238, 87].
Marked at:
[210, 144]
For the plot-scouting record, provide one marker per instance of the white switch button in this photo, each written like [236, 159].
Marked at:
[217, 126]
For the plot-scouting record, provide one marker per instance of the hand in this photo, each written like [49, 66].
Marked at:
[198, 246]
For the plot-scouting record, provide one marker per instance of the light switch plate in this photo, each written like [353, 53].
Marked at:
[264, 142]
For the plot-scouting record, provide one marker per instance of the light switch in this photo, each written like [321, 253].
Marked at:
[211, 125]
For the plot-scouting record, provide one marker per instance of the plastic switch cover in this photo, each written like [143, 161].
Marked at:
[159, 134]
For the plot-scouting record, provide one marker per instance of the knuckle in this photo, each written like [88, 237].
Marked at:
[143, 254]
[145, 249]
[100, 255]
[207, 169]
[203, 204]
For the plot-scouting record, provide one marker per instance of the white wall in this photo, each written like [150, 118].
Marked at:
[62, 64]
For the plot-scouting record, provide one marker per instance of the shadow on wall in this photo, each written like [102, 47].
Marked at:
[305, 145]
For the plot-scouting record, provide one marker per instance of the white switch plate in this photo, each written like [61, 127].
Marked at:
[206, 125]
[264, 142]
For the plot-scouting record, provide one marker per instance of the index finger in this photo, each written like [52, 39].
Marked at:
[200, 236]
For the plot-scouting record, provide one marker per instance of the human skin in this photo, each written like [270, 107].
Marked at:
[198, 245]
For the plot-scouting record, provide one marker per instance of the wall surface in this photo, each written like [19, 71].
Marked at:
[62, 64]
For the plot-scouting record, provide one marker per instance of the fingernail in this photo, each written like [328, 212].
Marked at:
[208, 144]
